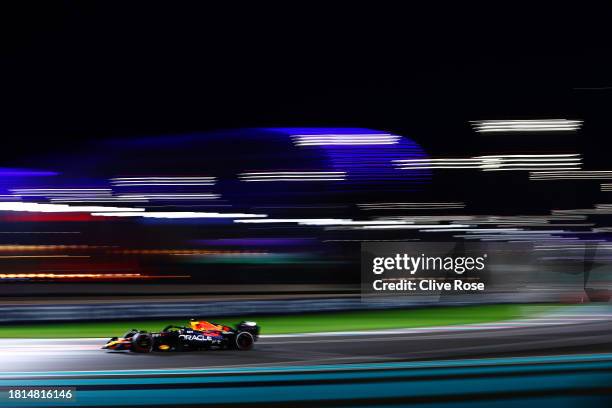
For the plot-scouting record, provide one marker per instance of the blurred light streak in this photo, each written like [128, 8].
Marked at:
[49, 217]
[308, 207]
[428, 218]
[603, 229]
[541, 125]
[228, 254]
[573, 246]
[561, 247]
[506, 237]
[256, 241]
[78, 276]
[599, 209]
[528, 162]
[522, 231]
[99, 200]
[261, 259]
[571, 175]
[163, 181]
[345, 139]
[524, 219]
[294, 176]
[450, 163]
[606, 187]
[574, 258]
[169, 196]
[508, 220]
[319, 221]
[179, 214]
[511, 238]
[413, 226]
[530, 157]
[371, 240]
[527, 239]
[9, 197]
[42, 256]
[291, 220]
[513, 162]
[185, 252]
[38, 207]
[560, 240]
[40, 232]
[8, 248]
[62, 192]
[409, 206]
[522, 234]
[556, 224]
[105, 195]
[475, 230]
[190, 205]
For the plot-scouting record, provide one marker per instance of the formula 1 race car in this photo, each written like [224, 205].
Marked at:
[200, 335]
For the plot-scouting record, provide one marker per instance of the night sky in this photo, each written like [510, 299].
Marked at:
[75, 71]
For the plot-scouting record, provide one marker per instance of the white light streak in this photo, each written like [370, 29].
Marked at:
[62, 192]
[97, 200]
[570, 175]
[345, 139]
[162, 181]
[320, 221]
[506, 220]
[54, 208]
[599, 209]
[512, 162]
[542, 125]
[416, 226]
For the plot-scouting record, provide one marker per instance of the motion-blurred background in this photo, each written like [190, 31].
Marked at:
[165, 161]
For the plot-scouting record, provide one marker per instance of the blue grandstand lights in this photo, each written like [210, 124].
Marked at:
[12, 172]
[365, 154]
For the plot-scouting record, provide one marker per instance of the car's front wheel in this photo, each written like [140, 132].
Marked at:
[142, 343]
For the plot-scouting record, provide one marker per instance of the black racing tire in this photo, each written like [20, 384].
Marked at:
[142, 343]
[244, 341]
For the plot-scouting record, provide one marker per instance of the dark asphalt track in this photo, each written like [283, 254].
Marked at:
[536, 337]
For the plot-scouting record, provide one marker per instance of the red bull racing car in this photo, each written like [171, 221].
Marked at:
[200, 335]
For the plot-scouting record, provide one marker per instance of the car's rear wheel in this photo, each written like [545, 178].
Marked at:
[244, 341]
[142, 343]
